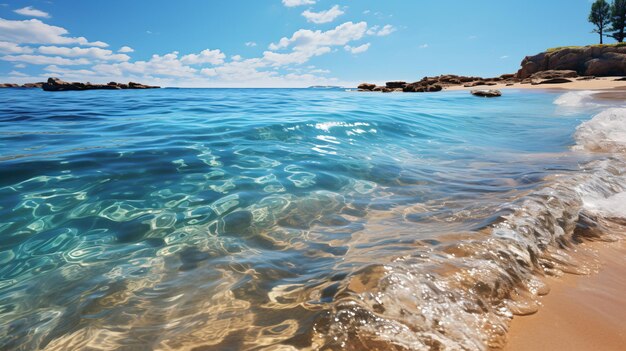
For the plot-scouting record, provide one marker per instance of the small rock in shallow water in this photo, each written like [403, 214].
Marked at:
[487, 93]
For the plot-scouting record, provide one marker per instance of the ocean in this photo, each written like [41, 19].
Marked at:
[288, 219]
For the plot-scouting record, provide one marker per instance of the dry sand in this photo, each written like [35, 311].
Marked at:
[581, 312]
[603, 83]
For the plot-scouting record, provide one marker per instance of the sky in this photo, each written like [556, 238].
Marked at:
[279, 43]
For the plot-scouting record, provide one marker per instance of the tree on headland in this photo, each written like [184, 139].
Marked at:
[618, 20]
[600, 16]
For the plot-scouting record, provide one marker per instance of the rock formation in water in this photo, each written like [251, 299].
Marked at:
[27, 85]
[55, 84]
[486, 93]
[596, 60]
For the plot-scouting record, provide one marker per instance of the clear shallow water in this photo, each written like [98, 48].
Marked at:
[244, 219]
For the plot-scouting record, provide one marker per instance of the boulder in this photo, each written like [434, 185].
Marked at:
[366, 86]
[133, 85]
[32, 85]
[395, 84]
[56, 84]
[474, 84]
[9, 85]
[487, 93]
[550, 74]
[552, 81]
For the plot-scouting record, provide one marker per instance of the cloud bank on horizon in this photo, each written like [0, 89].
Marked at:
[51, 50]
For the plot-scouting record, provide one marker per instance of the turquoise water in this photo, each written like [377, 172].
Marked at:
[245, 218]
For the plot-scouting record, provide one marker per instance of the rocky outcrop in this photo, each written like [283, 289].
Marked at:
[438, 83]
[486, 93]
[366, 86]
[552, 74]
[33, 85]
[56, 84]
[395, 85]
[27, 85]
[596, 60]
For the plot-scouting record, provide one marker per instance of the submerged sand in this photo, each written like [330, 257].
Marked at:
[581, 312]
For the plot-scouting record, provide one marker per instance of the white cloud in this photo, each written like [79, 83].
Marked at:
[236, 57]
[295, 57]
[34, 31]
[19, 65]
[44, 60]
[366, 12]
[18, 74]
[357, 49]
[294, 3]
[250, 44]
[31, 11]
[305, 39]
[12, 48]
[96, 53]
[423, 46]
[126, 49]
[167, 65]
[214, 57]
[504, 57]
[319, 70]
[307, 43]
[381, 32]
[70, 73]
[323, 16]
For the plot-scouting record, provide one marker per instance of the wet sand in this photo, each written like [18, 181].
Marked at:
[601, 83]
[581, 312]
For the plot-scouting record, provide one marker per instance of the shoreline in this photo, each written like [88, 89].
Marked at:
[600, 83]
[581, 312]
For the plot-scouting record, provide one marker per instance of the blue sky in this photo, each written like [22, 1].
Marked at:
[279, 43]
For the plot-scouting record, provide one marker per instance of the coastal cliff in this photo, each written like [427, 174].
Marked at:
[595, 60]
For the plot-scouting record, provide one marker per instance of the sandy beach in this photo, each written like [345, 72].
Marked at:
[600, 83]
[580, 312]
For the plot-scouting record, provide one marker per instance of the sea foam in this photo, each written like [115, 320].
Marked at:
[606, 132]
[576, 99]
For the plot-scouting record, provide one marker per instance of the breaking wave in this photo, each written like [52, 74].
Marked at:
[462, 296]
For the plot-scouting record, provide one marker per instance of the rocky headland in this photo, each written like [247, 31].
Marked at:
[56, 84]
[555, 66]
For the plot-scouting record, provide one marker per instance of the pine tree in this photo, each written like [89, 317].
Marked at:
[600, 16]
[618, 20]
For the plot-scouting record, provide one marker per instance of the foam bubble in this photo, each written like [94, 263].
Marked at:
[610, 207]
[606, 132]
